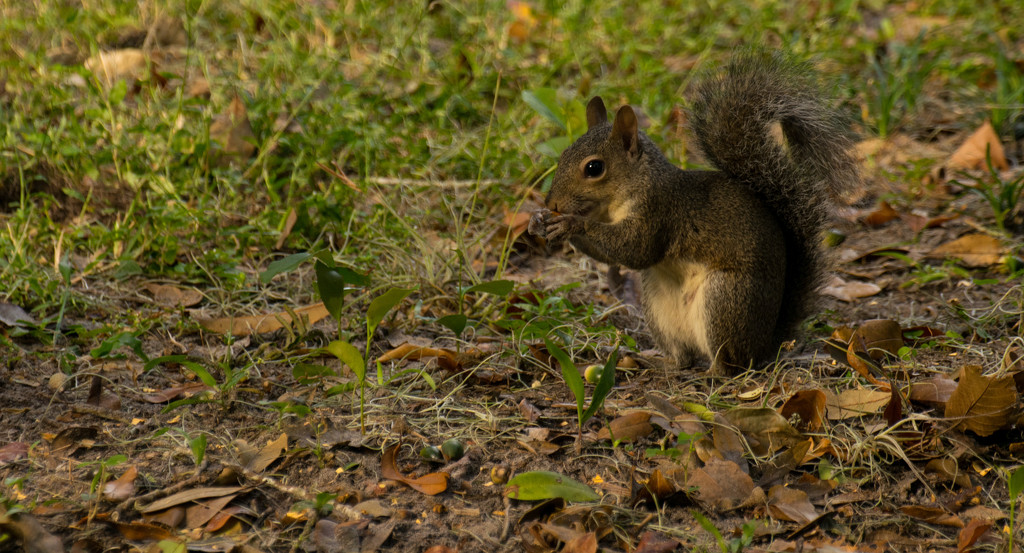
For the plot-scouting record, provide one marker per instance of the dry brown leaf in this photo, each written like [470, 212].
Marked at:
[222, 517]
[260, 324]
[982, 403]
[657, 487]
[972, 153]
[123, 487]
[105, 400]
[173, 296]
[765, 429]
[790, 504]
[849, 290]
[199, 514]
[628, 427]
[971, 533]
[809, 405]
[881, 215]
[430, 484]
[13, 452]
[141, 531]
[113, 65]
[187, 390]
[409, 351]
[268, 454]
[656, 542]
[583, 543]
[973, 250]
[872, 342]
[918, 223]
[946, 468]
[441, 549]
[856, 403]
[934, 391]
[933, 515]
[186, 496]
[721, 484]
[232, 131]
[170, 518]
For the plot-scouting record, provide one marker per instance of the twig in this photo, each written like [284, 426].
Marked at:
[134, 502]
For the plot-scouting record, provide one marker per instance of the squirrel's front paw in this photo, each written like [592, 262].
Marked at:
[538, 223]
[559, 226]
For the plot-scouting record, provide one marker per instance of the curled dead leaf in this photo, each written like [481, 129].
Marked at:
[809, 405]
[430, 484]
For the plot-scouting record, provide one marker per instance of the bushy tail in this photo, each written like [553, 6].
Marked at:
[736, 118]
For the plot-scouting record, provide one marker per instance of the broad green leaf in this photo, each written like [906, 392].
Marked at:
[306, 373]
[380, 306]
[570, 374]
[122, 339]
[545, 102]
[202, 373]
[349, 355]
[575, 117]
[331, 285]
[554, 147]
[183, 360]
[198, 446]
[604, 385]
[118, 92]
[531, 486]
[495, 287]
[455, 322]
[283, 266]
[1016, 483]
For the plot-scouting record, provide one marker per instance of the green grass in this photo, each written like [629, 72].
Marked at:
[123, 181]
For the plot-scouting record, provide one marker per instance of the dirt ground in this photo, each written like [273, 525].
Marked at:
[286, 468]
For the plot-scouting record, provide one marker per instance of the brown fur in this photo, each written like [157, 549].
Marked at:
[730, 259]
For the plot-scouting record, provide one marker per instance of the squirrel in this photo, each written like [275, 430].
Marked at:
[730, 259]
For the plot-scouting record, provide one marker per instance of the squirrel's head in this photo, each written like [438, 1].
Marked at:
[594, 174]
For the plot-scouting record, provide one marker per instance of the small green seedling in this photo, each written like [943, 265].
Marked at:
[1015, 481]
[349, 355]
[575, 382]
[457, 322]
[198, 447]
[223, 392]
[735, 545]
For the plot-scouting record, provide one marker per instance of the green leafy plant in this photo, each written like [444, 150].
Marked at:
[575, 383]
[897, 78]
[735, 545]
[1002, 196]
[223, 392]
[103, 467]
[198, 447]
[1015, 483]
[351, 356]
[457, 322]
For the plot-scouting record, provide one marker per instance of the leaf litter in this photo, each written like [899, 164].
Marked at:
[898, 431]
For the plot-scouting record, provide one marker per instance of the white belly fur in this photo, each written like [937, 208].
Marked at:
[674, 299]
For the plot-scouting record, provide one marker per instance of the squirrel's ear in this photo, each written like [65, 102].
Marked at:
[625, 129]
[596, 114]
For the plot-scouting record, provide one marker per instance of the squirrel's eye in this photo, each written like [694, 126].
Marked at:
[593, 169]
